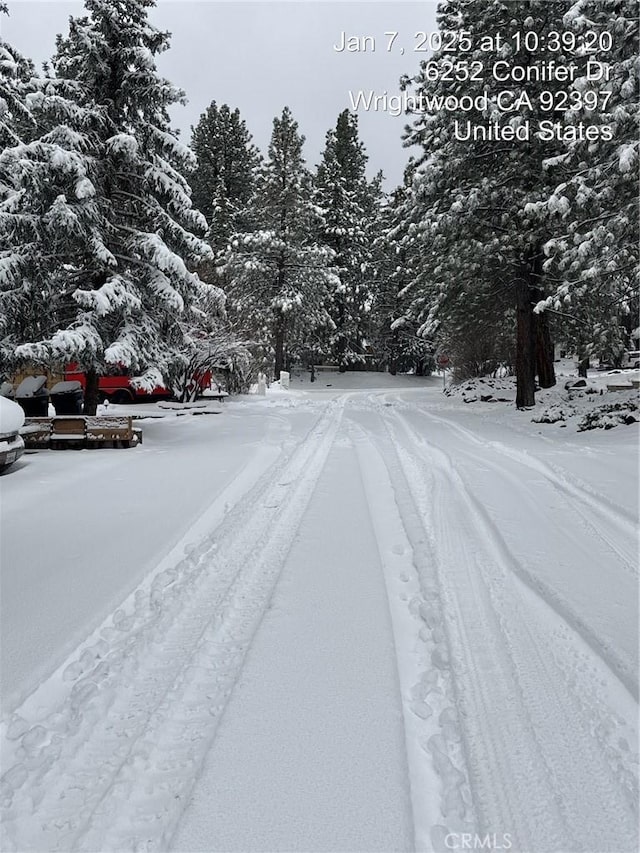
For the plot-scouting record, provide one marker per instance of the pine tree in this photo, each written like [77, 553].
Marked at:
[481, 245]
[279, 276]
[16, 72]
[15, 123]
[48, 213]
[394, 339]
[121, 234]
[348, 206]
[224, 179]
[592, 258]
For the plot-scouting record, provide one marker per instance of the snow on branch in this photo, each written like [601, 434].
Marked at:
[113, 295]
[627, 157]
[66, 138]
[10, 268]
[101, 252]
[123, 144]
[197, 249]
[150, 379]
[159, 284]
[154, 250]
[167, 186]
[125, 349]
[81, 342]
[61, 218]
[173, 145]
[165, 166]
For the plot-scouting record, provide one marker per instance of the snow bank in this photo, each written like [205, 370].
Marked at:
[602, 401]
[484, 389]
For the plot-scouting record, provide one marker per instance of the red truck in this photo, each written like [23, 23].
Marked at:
[118, 389]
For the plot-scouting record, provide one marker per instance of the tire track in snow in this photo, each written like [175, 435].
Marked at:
[589, 503]
[497, 787]
[623, 667]
[437, 773]
[112, 766]
[537, 772]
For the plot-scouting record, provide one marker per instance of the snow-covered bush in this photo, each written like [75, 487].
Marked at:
[484, 390]
[217, 352]
[610, 415]
[554, 414]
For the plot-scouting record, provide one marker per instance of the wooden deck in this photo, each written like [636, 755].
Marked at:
[80, 431]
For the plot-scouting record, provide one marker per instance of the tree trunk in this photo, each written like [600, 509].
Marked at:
[279, 347]
[341, 349]
[279, 336]
[544, 351]
[393, 355]
[542, 331]
[91, 393]
[341, 342]
[525, 342]
[583, 367]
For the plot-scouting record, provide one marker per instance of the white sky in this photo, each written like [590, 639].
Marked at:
[261, 56]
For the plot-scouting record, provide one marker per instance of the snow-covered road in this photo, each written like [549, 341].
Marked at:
[339, 619]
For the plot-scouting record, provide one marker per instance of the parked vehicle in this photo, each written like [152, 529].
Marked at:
[68, 390]
[631, 359]
[116, 389]
[11, 442]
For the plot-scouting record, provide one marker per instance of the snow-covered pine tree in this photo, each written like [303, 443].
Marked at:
[386, 265]
[348, 206]
[16, 122]
[224, 179]
[279, 276]
[474, 332]
[48, 213]
[124, 290]
[592, 264]
[394, 338]
[481, 244]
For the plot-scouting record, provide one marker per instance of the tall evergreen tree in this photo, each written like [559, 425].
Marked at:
[348, 207]
[481, 246]
[224, 179]
[279, 276]
[16, 72]
[48, 214]
[592, 257]
[122, 238]
[394, 328]
[16, 122]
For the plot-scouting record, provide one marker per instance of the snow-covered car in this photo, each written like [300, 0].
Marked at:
[11, 442]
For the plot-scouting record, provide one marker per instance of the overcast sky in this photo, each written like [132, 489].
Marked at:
[261, 56]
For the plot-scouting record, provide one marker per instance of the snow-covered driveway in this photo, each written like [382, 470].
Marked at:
[335, 620]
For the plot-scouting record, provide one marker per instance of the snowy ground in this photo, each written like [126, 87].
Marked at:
[358, 615]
